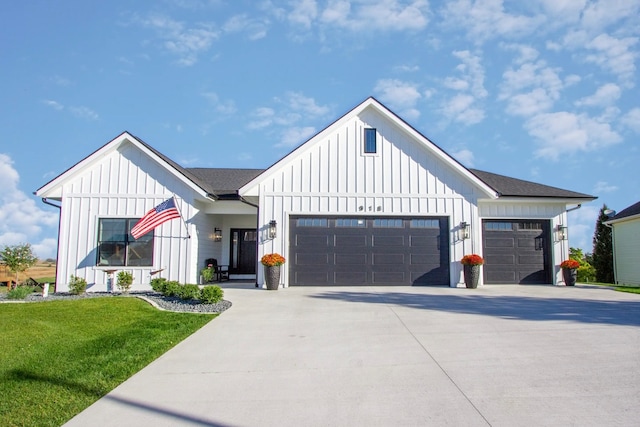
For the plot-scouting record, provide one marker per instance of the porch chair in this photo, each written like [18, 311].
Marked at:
[220, 272]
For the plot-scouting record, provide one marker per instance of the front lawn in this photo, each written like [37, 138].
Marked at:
[623, 288]
[58, 357]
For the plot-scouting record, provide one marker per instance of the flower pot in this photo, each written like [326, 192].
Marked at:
[471, 276]
[570, 275]
[272, 277]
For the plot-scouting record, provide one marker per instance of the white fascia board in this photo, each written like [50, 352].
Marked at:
[619, 220]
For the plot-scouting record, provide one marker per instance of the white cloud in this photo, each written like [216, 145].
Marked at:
[256, 29]
[526, 53]
[400, 96]
[186, 43]
[602, 13]
[530, 103]
[472, 72]
[486, 19]
[294, 136]
[464, 156]
[373, 15]
[603, 187]
[53, 104]
[21, 220]
[605, 95]
[460, 108]
[226, 108]
[469, 85]
[565, 133]
[614, 55]
[297, 102]
[406, 68]
[632, 120]
[84, 113]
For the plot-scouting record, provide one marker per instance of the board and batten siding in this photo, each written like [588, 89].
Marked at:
[126, 184]
[554, 212]
[626, 241]
[333, 176]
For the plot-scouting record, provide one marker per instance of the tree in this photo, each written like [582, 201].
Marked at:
[602, 249]
[586, 272]
[18, 258]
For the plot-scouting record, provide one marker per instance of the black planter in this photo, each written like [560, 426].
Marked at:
[471, 276]
[272, 277]
[570, 275]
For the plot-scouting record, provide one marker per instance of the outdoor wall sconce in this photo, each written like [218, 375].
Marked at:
[273, 229]
[217, 235]
[562, 232]
[465, 230]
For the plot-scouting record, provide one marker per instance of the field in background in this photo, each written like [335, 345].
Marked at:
[42, 270]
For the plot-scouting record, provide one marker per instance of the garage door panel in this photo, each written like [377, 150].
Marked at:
[307, 241]
[369, 251]
[312, 259]
[351, 259]
[349, 241]
[516, 251]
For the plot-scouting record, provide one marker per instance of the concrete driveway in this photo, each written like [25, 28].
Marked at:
[383, 356]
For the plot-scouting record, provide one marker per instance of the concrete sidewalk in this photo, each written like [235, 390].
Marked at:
[383, 356]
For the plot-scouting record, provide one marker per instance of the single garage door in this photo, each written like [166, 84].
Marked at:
[516, 251]
[368, 251]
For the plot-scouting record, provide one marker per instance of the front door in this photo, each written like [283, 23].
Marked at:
[243, 257]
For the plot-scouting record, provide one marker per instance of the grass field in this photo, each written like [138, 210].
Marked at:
[42, 272]
[58, 357]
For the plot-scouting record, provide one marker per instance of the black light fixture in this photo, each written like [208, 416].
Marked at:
[273, 229]
[562, 232]
[217, 235]
[465, 230]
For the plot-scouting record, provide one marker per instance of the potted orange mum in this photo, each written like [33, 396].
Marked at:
[569, 271]
[471, 266]
[272, 263]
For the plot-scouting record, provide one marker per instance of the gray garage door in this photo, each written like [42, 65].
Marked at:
[368, 251]
[516, 251]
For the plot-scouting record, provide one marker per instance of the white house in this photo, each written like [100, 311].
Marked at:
[367, 201]
[625, 235]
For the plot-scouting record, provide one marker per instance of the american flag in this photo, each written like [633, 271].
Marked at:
[164, 212]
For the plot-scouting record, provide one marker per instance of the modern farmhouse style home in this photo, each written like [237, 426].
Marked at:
[366, 201]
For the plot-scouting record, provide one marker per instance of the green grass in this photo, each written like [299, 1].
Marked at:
[622, 288]
[58, 357]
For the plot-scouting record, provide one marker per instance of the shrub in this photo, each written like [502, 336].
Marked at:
[77, 285]
[208, 273]
[211, 294]
[158, 284]
[20, 292]
[188, 292]
[125, 280]
[473, 259]
[171, 289]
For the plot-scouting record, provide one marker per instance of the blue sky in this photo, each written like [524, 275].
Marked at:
[540, 90]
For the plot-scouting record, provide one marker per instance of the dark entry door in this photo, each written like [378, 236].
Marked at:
[243, 257]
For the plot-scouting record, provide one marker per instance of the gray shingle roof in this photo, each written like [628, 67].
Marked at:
[626, 212]
[512, 187]
[225, 182]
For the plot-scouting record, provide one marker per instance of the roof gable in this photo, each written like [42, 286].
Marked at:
[53, 188]
[372, 106]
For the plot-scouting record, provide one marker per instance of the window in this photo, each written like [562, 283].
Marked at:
[425, 223]
[388, 223]
[370, 141]
[311, 222]
[530, 226]
[498, 226]
[117, 247]
[350, 222]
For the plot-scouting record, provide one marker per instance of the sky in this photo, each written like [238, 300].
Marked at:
[543, 90]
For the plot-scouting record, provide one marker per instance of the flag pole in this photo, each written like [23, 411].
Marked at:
[181, 217]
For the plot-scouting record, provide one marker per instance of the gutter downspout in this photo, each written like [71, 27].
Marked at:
[613, 252]
[243, 200]
[46, 202]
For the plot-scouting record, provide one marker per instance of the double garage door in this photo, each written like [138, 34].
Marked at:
[516, 251]
[368, 251]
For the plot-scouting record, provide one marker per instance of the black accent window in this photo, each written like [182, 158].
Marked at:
[388, 223]
[117, 247]
[425, 223]
[370, 145]
[350, 222]
[498, 226]
[311, 222]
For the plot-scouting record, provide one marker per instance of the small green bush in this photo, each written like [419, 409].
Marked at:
[172, 289]
[188, 292]
[158, 284]
[125, 280]
[211, 294]
[20, 292]
[77, 285]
